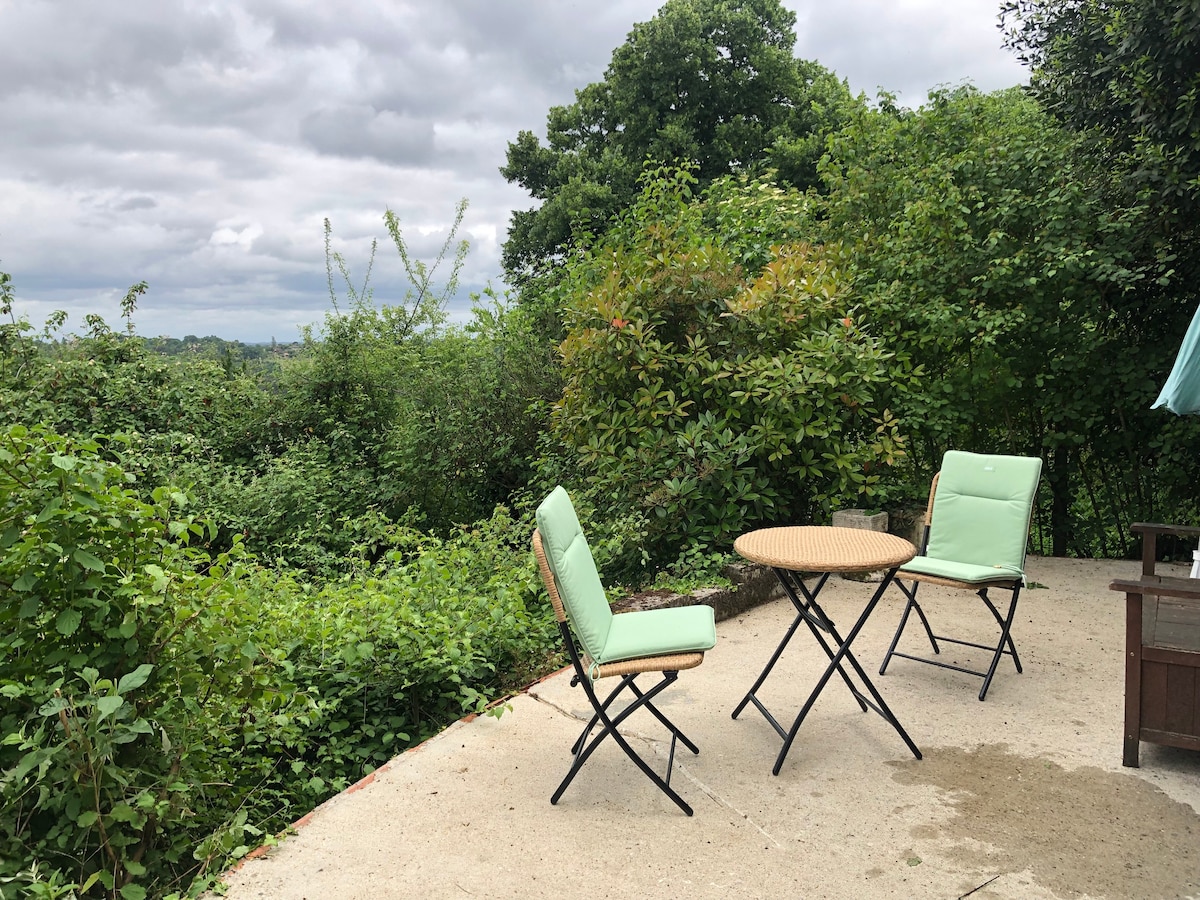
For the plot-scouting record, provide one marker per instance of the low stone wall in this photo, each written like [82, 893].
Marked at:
[752, 585]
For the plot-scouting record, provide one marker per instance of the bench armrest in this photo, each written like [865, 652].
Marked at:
[1158, 586]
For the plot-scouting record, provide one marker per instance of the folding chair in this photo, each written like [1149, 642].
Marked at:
[976, 529]
[666, 641]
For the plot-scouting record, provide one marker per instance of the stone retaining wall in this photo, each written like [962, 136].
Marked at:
[752, 585]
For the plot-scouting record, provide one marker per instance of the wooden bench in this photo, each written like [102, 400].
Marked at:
[1162, 652]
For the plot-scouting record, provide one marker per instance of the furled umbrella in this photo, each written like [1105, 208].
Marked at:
[1181, 393]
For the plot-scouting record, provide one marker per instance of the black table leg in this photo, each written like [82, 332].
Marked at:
[880, 706]
[809, 611]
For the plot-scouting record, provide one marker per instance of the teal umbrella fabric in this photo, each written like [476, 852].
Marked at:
[1181, 393]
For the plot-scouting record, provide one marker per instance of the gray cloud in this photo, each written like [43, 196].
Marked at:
[356, 131]
[200, 145]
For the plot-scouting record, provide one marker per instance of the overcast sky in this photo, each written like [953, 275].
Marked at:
[199, 145]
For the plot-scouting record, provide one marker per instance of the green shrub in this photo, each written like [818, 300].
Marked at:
[122, 670]
[711, 398]
[164, 709]
[443, 628]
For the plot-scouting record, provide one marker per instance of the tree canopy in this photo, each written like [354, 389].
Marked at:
[710, 82]
[988, 249]
[1128, 70]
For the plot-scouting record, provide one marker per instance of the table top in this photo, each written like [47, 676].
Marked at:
[824, 548]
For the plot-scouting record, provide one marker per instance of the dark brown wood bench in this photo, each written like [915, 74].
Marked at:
[1162, 652]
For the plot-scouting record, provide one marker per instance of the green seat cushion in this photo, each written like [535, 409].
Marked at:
[955, 571]
[981, 510]
[658, 632]
[574, 570]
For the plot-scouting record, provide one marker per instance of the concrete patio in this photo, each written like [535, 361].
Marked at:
[1021, 796]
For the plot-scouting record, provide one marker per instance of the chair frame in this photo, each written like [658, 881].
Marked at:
[1004, 647]
[586, 672]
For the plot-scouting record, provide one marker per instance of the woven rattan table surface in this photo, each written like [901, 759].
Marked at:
[824, 548]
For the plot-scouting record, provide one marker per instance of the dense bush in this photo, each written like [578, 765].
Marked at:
[116, 709]
[107, 382]
[391, 658]
[434, 431]
[712, 397]
[993, 254]
[163, 707]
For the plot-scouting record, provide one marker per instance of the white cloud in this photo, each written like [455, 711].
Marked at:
[201, 145]
[243, 238]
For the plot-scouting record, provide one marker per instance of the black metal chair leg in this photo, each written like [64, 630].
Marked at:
[610, 730]
[1005, 638]
[667, 723]
[626, 682]
[1005, 623]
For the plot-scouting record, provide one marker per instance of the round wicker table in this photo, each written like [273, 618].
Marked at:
[819, 551]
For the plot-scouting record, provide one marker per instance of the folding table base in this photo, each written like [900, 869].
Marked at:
[810, 613]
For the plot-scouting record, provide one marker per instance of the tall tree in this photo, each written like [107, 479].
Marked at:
[1125, 76]
[987, 249]
[710, 82]
[1126, 70]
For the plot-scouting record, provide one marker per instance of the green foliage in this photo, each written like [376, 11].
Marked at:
[1127, 70]
[446, 426]
[991, 253]
[389, 416]
[713, 400]
[473, 412]
[694, 569]
[164, 709]
[112, 625]
[1124, 75]
[424, 304]
[234, 357]
[708, 82]
[346, 383]
[442, 628]
[107, 383]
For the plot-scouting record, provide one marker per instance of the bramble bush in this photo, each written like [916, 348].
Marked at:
[165, 708]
